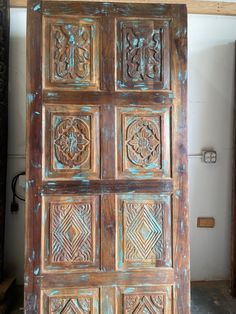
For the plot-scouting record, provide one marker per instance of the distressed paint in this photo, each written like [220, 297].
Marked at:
[129, 244]
[142, 54]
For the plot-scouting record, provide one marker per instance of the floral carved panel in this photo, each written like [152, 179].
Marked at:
[142, 54]
[72, 145]
[72, 141]
[70, 233]
[145, 143]
[71, 53]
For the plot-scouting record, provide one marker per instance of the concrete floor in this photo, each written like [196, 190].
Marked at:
[207, 298]
[212, 298]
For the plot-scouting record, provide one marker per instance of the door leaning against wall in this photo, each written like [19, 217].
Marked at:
[107, 215]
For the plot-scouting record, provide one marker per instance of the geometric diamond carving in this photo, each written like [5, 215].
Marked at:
[71, 232]
[143, 232]
[148, 304]
[70, 306]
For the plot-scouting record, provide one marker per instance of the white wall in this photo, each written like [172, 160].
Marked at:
[14, 234]
[210, 100]
[211, 68]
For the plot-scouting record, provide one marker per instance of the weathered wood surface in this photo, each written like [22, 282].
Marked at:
[193, 7]
[107, 213]
[4, 48]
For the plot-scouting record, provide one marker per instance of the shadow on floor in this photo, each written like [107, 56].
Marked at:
[212, 297]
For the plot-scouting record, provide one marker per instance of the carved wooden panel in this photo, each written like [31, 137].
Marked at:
[72, 53]
[71, 135]
[107, 210]
[151, 300]
[70, 300]
[143, 54]
[70, 235]
[144, 142]
[144, 231]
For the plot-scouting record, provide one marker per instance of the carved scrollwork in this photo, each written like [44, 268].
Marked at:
[143, 55]
[72, 52]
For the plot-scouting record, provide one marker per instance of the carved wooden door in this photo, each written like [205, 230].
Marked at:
[107, 214]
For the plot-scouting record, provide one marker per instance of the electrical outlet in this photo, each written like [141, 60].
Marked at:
[209, 156]
[22, 181]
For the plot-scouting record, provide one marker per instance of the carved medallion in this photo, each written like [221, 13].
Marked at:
[143, 142]
[148, 304]
[143, 225]
[71, 232]
[70, 306]
[72, 142]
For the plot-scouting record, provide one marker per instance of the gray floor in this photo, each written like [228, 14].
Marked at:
[207, 298]
[212, 298]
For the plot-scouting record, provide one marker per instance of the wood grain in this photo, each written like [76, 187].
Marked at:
[107, 207]
[194, 7]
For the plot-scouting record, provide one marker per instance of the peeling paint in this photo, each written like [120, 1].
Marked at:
[37, 7]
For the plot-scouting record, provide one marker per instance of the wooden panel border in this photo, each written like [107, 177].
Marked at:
[194, 7]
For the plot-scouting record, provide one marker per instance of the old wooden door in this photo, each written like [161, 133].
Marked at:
[107, 214]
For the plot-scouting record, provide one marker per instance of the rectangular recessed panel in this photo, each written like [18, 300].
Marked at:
[70, 233]
[70, 300]
[143, 54]
[144, 231]
[71, 136]
[71, 53]
[151, 300]
[143, 142]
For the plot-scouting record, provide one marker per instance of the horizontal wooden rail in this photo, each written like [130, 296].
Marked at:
[194, 6]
